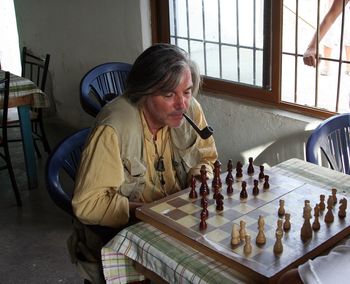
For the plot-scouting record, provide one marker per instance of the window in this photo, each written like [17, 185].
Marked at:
[254, 49]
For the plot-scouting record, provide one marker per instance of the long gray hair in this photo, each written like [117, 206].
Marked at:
[159, 68]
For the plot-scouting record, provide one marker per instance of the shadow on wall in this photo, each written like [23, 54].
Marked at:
[288, 147]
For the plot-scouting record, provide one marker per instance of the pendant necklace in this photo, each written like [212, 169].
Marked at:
[159, 163]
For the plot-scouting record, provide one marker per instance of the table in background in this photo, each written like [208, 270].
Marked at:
[24, 94]
[177, 262]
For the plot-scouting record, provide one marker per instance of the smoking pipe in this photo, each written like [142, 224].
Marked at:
[205, 133]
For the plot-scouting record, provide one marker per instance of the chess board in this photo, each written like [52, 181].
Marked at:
[179, 216]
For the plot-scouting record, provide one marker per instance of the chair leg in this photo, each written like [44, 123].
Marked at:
[44, 137]
[12, 176]
[36, 148]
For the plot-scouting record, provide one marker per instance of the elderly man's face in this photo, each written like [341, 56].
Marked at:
[161, 110]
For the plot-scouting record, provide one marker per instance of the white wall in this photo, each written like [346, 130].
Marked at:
[80, 34]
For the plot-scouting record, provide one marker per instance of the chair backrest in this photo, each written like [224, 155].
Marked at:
[66, 157]
[102, 84]
[331, 138]
[35, 68]
[5, 89]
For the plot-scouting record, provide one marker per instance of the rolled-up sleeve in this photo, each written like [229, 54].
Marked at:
[95, 199]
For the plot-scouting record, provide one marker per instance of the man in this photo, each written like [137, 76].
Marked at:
[141, 149]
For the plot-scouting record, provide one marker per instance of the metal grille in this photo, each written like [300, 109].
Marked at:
[225, 37]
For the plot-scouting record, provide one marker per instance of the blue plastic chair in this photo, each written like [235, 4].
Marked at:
[333, 139]
[66, 156]
[102, 84]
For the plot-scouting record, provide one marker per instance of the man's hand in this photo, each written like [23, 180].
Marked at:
[310, 57]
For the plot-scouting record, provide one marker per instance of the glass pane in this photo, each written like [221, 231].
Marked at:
[213, 60]
[287, 86]
[195, 19]
[228, 21]
[183, 44]
[229, 63]
[246, 66]
[171, 18]
[181, 18]
[245, 22]
[197, 54]
[259, 24]
[232, 32]
[211, 20]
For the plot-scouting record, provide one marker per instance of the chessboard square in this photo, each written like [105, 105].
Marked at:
[231, 202]
[243, 207]
[176, 214]
[188, 221]
[249, 220]
[217, 220]
[190, 208]
[198, 202]
[270, 209]
[217, 235]
[255, 201]
[231, 214]
[177, 202]
[266, 256]
[266, 195]
[162, 208]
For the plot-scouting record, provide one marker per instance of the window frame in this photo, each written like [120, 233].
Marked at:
[272, 96]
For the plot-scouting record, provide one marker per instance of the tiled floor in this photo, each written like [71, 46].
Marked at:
[33, 238]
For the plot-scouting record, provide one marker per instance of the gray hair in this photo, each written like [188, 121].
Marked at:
[159, 68]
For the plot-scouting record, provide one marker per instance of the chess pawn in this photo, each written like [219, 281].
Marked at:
[203, 223]
[261, 174]
[235, 240]
[279, 225]
[242, 230]
[329, 217]
[229, 171]
[250, 170]
[342, 208]
[334, 195]
[239, 172]
[247, 246]
[322, 205]
[244, 195]
[316, 224]
[286, 224]
[219, 202]
[281, 210]
[256, 188]
[278, 246]
[260, 238]
[193, 192]
[266, 182]
[229, 189]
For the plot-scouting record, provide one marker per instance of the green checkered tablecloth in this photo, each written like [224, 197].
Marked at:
[177, 262]
[20, 87]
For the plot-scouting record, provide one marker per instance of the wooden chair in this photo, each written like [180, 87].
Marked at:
[5, 86]
[331, 139]
[102, 84]
[35, 69]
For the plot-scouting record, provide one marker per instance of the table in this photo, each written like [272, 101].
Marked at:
[24, 94]
[142, 244]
